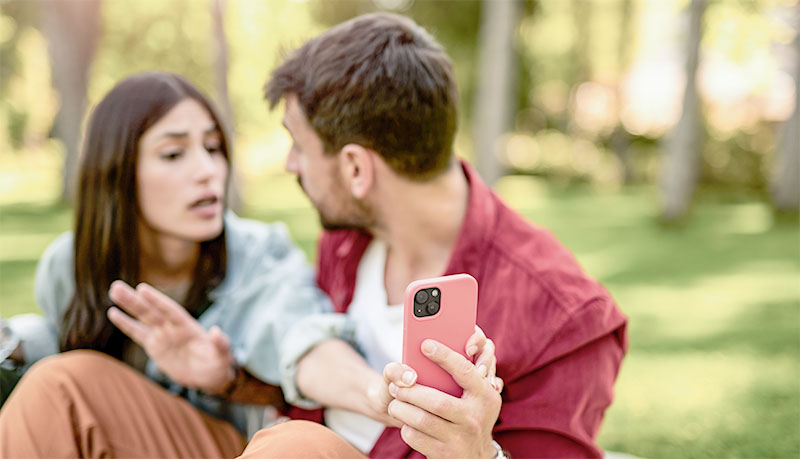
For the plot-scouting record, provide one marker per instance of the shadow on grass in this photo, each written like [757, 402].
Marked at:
[768, 329]
[757, 423]
[35, 218]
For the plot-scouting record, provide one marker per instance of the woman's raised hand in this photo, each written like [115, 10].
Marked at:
[180, 346]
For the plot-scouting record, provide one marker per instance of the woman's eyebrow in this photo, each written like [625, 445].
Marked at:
[180, 134]
[175, 134]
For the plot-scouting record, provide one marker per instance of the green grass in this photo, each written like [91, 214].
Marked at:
[714, 306]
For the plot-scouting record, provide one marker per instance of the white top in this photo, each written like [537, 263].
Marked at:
[379, 336]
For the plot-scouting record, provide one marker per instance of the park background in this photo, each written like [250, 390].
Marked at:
[658, 139]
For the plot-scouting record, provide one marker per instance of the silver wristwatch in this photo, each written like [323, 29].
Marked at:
[500, 453]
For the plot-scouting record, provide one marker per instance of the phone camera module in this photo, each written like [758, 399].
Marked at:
[427, 302]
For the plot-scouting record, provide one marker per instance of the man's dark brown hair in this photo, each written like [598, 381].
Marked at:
[380, 81]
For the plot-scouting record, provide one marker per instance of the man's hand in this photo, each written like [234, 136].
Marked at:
[437, 424]
[179, 345]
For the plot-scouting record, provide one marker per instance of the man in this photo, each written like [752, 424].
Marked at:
[371, 106]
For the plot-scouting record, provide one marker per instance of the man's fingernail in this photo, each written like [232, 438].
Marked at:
[472, 350]
[429, 347]
[408, 377]
[393, 389]
[482, 370]
[494, 382]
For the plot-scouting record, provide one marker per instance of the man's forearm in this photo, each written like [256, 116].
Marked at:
[335, 375]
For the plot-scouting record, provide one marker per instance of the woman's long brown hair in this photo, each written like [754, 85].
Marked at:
[106, 236]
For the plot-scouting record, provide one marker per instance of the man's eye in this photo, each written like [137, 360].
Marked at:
[172, 155]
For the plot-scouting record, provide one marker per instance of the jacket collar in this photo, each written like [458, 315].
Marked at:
[478, 226]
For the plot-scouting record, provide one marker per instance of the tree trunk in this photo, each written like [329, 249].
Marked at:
[680, 168]
[496, 80]
[785, 185]
[220, 59]
[620, 139]
[72, 29]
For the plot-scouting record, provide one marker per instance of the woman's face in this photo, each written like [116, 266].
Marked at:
[181, 175]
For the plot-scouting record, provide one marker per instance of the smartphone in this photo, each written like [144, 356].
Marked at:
[441, 308]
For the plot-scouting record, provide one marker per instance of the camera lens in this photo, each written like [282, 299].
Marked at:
[433, 308]
[422, 297]
[435, 293]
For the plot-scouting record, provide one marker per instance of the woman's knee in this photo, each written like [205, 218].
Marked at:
[299, 439]
[72, 367]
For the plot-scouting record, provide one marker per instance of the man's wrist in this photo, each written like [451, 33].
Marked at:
[497, 451]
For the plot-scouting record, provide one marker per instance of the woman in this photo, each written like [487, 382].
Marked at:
[151, 210]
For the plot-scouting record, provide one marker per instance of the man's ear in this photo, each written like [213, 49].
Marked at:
[357, 165]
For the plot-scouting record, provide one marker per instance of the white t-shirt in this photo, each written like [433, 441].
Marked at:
[379, 335]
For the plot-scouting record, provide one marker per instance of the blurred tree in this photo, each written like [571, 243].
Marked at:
[16, 17]
[220, 59]
[679, 169]
[620, 139]
[495, 93]
[786, 174]
[72, 29]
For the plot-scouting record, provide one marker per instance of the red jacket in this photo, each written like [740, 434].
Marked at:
[559, 335]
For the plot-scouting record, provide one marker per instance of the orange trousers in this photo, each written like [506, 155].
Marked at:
[86, 404]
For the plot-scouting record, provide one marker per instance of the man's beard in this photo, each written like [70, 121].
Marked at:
[359, 218]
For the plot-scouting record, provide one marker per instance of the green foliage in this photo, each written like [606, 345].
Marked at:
[150, 34]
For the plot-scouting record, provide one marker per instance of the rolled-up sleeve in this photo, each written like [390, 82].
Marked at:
[301, 338]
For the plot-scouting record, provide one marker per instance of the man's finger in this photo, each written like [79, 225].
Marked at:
[486, 355]
[498, 384]
[475, 343]
[128, 299]
[136, 330]
[400, 374]
[463, 371]
[434, 401]
[418, 441]
[422, 421]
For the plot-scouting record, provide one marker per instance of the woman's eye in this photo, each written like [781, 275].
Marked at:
[172, 155]
[213, 148]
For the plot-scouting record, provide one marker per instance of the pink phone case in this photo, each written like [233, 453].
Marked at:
[452, 326]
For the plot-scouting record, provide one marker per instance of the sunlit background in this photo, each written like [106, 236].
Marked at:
[682, 202]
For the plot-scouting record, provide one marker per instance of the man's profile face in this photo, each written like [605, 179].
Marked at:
[318, 174]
